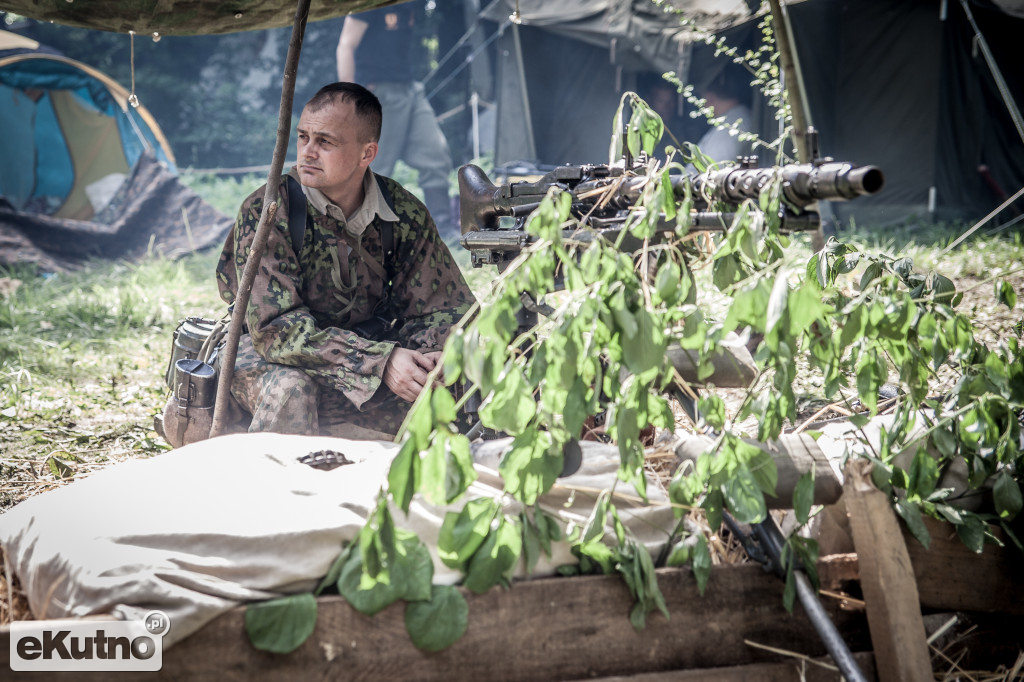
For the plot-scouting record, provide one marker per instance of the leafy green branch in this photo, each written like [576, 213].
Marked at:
[602, 349]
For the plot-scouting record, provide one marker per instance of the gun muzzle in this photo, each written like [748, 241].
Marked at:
[802, 184]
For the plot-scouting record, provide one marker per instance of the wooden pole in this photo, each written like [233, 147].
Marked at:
[794, 81]
[259, 242]
[795, 94]
[887, 581]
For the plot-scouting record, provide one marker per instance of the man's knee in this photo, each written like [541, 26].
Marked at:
[281, 399]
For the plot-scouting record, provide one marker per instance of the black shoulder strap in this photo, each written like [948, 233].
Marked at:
[387, 230]
[297, 217]
[296, 214]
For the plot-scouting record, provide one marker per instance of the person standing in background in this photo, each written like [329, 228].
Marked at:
[726, 94]
[375, 49]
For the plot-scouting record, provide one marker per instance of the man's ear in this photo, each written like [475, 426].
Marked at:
[369, 153]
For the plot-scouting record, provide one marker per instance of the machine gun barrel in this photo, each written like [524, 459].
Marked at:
[802, 184]
[481, 203]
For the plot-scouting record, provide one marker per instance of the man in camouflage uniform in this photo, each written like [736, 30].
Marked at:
[300, 368]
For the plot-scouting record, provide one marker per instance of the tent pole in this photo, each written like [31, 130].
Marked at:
[530, 150]
[794, 81]
[797, 96]
[259, 242]
[997, 75]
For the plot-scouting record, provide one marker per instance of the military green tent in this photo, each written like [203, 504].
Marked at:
[912, 86]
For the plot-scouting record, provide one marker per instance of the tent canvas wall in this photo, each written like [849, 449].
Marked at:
[901, 85]
[904, 85]
[83, 173]
[561, 73]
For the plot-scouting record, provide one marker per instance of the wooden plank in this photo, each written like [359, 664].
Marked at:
[544, 629]
[887, 581]
[951, 577]
[792, 671]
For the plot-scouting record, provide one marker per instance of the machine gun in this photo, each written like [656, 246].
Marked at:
[603, 195]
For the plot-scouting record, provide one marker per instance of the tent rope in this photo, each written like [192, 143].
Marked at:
[981, 222]
[133, 99]
[466, 62]
[996, 74]
[458, 43]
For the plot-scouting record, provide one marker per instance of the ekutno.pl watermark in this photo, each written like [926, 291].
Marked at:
[89, 645]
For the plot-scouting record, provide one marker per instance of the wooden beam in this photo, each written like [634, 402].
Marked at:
[951, 577]
[887, 581]
[543, 629]
[797, 670]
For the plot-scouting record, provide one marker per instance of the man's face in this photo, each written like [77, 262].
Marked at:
[331, 157]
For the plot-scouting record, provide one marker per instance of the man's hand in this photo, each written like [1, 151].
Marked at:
[406, 372]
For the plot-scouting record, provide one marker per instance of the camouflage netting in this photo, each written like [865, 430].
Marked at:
[180, 17]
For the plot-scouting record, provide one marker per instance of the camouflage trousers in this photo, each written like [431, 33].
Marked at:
[283, 399]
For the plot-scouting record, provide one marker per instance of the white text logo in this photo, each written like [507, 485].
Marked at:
[89, 645]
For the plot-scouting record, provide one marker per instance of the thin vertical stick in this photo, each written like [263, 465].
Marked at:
[259, 242]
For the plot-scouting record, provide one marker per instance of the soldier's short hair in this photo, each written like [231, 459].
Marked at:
[366, 104]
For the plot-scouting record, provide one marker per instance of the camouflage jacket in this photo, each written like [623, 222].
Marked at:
[302, 308]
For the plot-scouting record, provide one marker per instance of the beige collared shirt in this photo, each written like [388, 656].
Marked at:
[373, 205]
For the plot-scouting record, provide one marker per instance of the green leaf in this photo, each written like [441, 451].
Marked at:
[944, 441]
[712, 506]
[805, 308]
[446, 469]
[854, 326]
[531, 466]
[1005, 294]
[452, 359]
[803, 496]
[410, 573]
[438, 623]
[404, 474]
[943, 289]
[59, 468]
[924, 474]
[912, 516]
[645, 350]
[511, 406]
[443, 405]
[667, 283]
[493, 562]
[789, 591]
[333, 573]
[377, 540]
[777, 302]
[761, 465]
[872, 272]
[680, 555]
[1007, 497]
[871, 375]
[712, 409]
[464, 532]
[743, 497]
[281, 625]
[701, 564]
[972, 532]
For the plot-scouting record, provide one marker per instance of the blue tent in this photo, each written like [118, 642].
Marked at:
[83, 173]
[70, 135]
